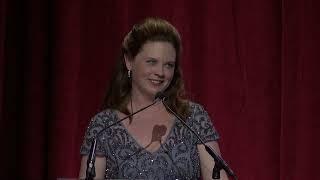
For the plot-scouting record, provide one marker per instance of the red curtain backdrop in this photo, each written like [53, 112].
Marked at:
[252, 64]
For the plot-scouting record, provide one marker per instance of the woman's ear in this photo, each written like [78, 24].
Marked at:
[128, 62]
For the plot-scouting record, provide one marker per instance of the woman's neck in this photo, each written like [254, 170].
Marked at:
[139, 100]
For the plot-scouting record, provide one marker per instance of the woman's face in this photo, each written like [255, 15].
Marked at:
[152, 68]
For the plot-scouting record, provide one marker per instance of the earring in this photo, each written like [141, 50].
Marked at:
[129, 74]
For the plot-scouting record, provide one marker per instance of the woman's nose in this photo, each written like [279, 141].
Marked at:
[160, 71]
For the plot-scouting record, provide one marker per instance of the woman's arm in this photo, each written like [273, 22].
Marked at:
[100, 167]
[207, 162]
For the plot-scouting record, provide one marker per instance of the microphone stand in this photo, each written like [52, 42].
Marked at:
[219, 162]
[90, 171]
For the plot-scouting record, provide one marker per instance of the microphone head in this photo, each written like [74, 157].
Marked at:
[160, 95]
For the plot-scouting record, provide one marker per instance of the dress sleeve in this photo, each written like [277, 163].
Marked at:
[96, 124]
[203, 125]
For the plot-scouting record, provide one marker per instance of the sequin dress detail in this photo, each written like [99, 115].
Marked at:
[177, 158]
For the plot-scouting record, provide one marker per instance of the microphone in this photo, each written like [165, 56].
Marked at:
[90, 171]
[160, 95]
[219, 162]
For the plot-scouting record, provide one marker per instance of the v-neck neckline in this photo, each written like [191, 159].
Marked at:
[141, 148]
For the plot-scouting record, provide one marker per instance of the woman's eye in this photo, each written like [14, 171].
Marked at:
[170, 65]
[151, 61]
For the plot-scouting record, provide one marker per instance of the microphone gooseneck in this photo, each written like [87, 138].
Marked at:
[90, 171]
[219, 162]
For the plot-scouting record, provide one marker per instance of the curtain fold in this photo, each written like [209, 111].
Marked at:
[300, 90]
[252, 64]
